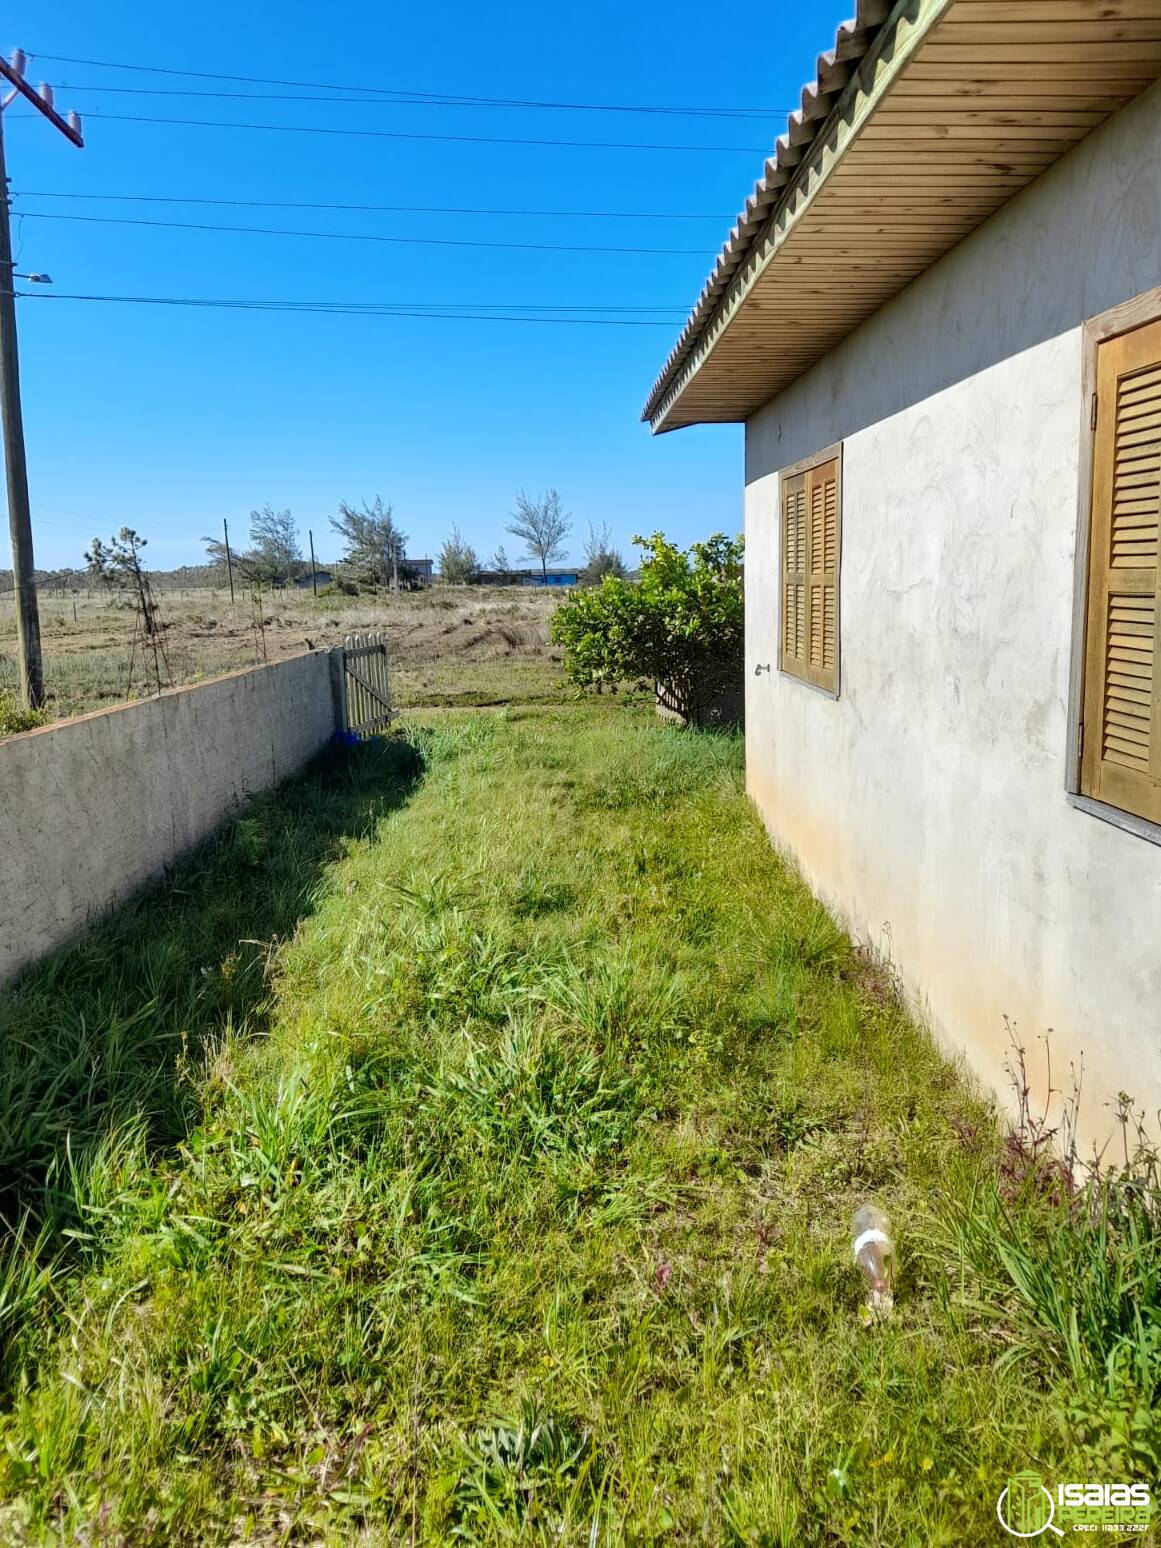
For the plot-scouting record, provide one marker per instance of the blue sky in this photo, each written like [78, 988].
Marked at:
[168, 419]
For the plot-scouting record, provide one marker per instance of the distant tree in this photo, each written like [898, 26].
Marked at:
[119, 561]
[274, 546]
[542, 526]
[274, 557]
[601, 557]
[375, 545]
[458, 563]
[246, 565]
[500, 561]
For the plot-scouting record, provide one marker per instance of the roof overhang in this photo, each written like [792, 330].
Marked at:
[920, 124]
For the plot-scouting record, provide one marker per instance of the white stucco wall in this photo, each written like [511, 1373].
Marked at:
[95, 807]
[927, 805]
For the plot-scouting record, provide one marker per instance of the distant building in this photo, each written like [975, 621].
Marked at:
[527, 578]
[552, 578]
[321, 578]
[422, 571]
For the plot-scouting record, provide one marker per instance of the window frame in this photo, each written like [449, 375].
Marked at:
[790, 670]
[1111, 324]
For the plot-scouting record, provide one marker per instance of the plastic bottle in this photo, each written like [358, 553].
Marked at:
[874, 1251]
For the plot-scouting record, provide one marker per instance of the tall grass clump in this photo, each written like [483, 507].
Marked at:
[1064, 1260]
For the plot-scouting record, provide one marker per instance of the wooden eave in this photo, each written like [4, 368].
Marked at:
[955, 105]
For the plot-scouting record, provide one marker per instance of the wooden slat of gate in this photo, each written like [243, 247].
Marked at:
[368, 684]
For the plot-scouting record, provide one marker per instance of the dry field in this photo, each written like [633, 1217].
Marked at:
[467, 645]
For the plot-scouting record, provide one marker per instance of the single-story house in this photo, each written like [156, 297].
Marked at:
[309, 579]
[423, 570]
[939, 318]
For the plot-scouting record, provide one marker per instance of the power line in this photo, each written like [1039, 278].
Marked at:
[445, 99]
[446, 139]
[67, 526]
[328, 308]
[403, 99]
[356, 236]
[394, 209]
[442, 306]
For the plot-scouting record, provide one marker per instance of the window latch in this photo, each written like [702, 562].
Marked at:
[758, 670]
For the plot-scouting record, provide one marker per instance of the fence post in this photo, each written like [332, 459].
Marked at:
[339, 686]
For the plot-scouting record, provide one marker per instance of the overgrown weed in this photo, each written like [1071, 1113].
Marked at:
[1063, 1259]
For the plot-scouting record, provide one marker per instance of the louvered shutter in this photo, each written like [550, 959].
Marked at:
[792, 656]
[822, 586]
[1121, 760]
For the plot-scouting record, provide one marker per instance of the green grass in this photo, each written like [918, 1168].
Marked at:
[448, 684]
[464, 1150]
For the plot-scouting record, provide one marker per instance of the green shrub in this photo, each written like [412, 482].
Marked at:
[680, 625]
[13, 718]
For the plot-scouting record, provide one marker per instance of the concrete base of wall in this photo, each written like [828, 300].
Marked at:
[96, 807]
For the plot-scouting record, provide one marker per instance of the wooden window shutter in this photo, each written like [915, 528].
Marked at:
[1121, 750]
[822, 600]
[792, 652]
[808, 643]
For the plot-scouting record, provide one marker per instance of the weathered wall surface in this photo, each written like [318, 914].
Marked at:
[927, 804]
[92, 808]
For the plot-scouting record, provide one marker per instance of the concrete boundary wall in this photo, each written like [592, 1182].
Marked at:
[91, 809]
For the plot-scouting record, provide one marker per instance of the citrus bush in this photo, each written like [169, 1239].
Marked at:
[679, 626]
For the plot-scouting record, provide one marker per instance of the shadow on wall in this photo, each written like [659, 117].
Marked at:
[1081, 239]
[94, 1038]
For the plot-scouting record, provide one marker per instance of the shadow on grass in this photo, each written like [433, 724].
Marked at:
[94, 1037]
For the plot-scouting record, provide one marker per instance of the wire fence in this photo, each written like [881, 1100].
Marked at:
[448, 644]
[92, 651]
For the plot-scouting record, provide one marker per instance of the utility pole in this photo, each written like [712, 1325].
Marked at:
[229, 560]
[29, 662]
[313, 566]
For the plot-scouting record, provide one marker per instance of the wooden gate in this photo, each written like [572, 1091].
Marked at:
[366, 690]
